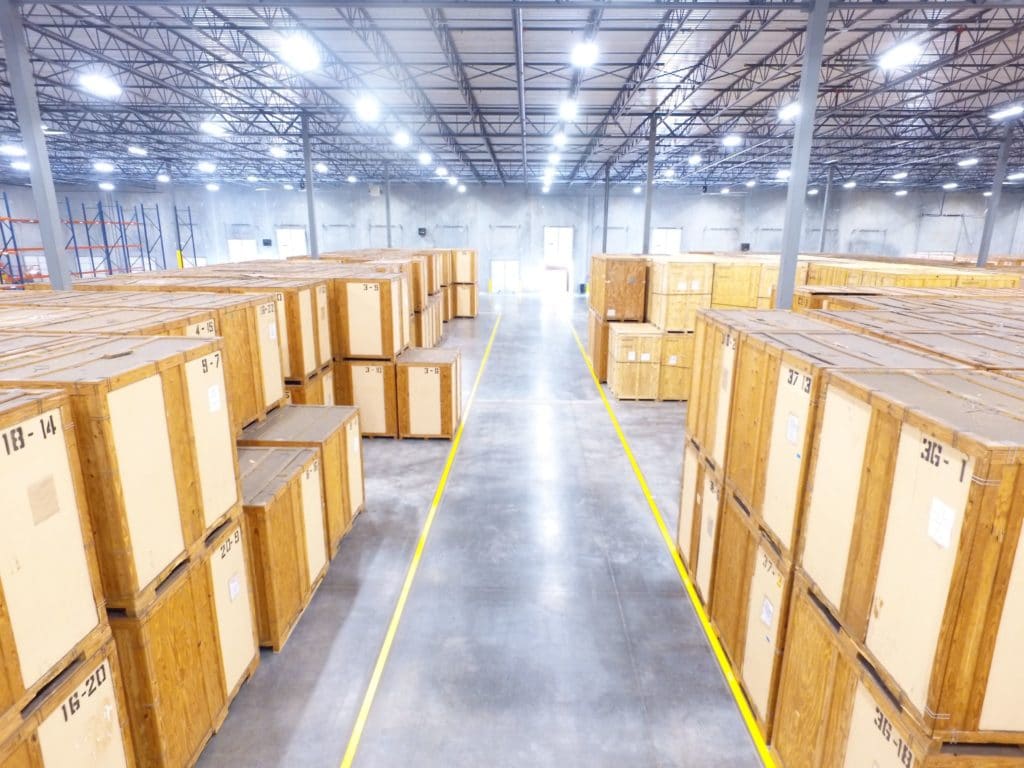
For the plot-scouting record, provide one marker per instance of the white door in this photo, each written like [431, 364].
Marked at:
[242, 250]
[557, 259]
[291, 241]
[667, 240]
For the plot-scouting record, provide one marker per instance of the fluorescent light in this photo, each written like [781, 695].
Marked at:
[967, 162]
[289, 187]
[782, 174]
[12, 150]
[694, 159]
[568, 110]
[750, 184]
[163, 178]
[900, 193]
[1015, 176]
[211, 187]
[425, 158]
[725, 190]
[102, 166]
[554, 158]
[100, 85]
[351, 179]
[321, 167]
[584, 54]
[986, 194]
[252, 179]
[367, 108]
[549, 174]
[279, 152]
[53, 132]
[106, 186]
[401, 139]
[441, 171]
[812, 191]
[669, 173]
[452, 181]
[732, 140]
[213, 128]
[950, 185]
[900, 176]
[299, 52]
[20, 165]
[137, 151]
[559, 139]
[900, 56]
[850, 185]
[637, 189]
[1011, 111]
[789, 112]
[205, 166]
[545, 189]
[462, 189]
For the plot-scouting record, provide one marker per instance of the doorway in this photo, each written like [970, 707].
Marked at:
[558, 259]
[291, 241]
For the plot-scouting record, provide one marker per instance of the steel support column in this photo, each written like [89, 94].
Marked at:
[824, 207]
[652, 141]
[517, 23]
[604, 227]
[997, 192]
[796, 196]
[387, 203]
[307, 162]
[23, 90]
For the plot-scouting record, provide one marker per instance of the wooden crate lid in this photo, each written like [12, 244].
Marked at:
[16, 403]
[100, 319]
[267, 472]
[300, 424]
[884, 320]
[753, 320]
[983, 350]
[634, 329]
[976, 411]
[437, 356]
[846, 350]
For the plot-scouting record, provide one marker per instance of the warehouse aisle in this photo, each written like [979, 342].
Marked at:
[546, 626]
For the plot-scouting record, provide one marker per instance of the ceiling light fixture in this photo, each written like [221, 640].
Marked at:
[637, 189]
[252, 179]
[554, 158]
[789, 112]
[900, 193]
[351, 179]
[732, 140]
[694, 159]
[441, 171]
[568, 110]
[289, 187]
[750, 184]
[584, 54]
[425, 158]
[211, 187]
[559, 139]
[163, 178]
[986, 194]
[367, 108]
[812, 191]
[401, 139]
[213, 128]
[137, 151]
[900, 56]
[20, 165]
[321, 168]
[205, 166]
[12, 150]
[462, 189]
[849, 185]
[100, 85]
[669, 173]
[900, 176]
[106, 186]
[1015, 176]
[102, 166]
[725, 190]
[1011, 111]
[452, 181]
[299, 52]
[278, 152]
[950, 185]
[968, 162]
[782, 174]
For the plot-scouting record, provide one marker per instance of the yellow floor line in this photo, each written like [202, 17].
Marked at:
[702, 616]
[410, 576]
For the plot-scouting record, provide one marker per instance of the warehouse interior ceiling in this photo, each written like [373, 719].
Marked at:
[480, 85]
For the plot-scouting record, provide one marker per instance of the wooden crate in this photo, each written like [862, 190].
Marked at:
[832, 710]
[714, 362]
[318, 389]
[51, 607]
[634, 360]
[429, 392]
[373, 325]
[675, 312]
[914, 481]
[680, 275]
[618, 286]
[81, 720]
[447, 256]
[464, 297]
[428, 325]
[464, 266]
[157, 452]
[137, 322]
[988, 351]
[334, 432]
[749, 602]
[676, 366]
[369, 385]
[435, 269]
[699, 510]
[810, 297]
[597, 344]
[283, 499]
[228, 579]
[773, 411]
[736, 284]
[447, 302]
[171, 667]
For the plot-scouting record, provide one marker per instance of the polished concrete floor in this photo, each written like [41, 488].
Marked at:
[547, 625]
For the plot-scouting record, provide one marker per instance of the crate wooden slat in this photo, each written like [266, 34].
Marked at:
[318, 389]
[81, 720]
[618, 286]
[156, 447]
[634, 360]
[373, 320]
[136, 322]
[284, 514]
[369, 385]
[699, 513]
[464, 266]
[429, 392]
[597, 344]
[676, 366]
[922, 488]
[465, 297]
[333, 431]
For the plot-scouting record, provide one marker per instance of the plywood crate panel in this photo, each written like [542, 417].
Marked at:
[51, 606]
[429, 392]
[773, 413]
[618, 286]
[435, 269]
[675, 312]
[82, 720]
[284, 512]
[465, 300]
[447, 302]
[597, 344]
[318, 389]
[832, 711]
[676, 366]
[736, 284]
[157, 451]
[373, 321]
[334, 432]
[465, 268]
[810, 297]
[699, 512]
[136, 322]
[680, 275]
[369, 385]
[714, 363]
[914, 480]
[634, 360]
[989, 351]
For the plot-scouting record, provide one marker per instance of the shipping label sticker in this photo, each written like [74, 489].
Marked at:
[42, 499]
[941, 517]
[695, 286]
[631, 356]
[673, 360]
[272, 331]
[645, 357]
[792, 428]
[213, 395]
[767, 612]
[681, 286]
[611, 313]
[234, 587]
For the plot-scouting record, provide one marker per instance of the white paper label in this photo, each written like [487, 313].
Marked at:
[645, 357]
[273, 331]
[940, 523]
[792, 428]
[213, 395]
[695, 286]
[681, 286]
[631, 356]
[672, 360]
[234, 587]
[611, 313]
[767, 612]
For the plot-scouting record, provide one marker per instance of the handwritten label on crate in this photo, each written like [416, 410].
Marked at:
[89, 688]
[203, 330]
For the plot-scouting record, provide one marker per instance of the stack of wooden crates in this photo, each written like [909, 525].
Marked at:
[851, 516]
[465, 282]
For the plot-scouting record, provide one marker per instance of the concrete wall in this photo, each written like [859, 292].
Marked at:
[508, 223]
